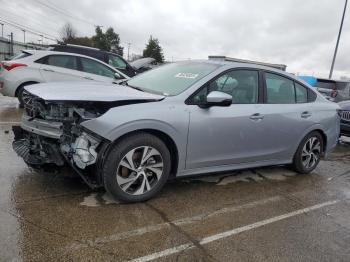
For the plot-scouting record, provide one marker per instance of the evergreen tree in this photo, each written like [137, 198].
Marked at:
[108, 41]
[154, 50]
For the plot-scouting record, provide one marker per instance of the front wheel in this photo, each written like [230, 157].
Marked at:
[137, 168]
[21, 94]
[309, 153]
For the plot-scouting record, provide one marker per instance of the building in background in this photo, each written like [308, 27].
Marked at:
[9, 47]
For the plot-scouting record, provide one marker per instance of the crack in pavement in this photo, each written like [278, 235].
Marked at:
[179, 230]
[340, 175]
[20, 218]
[281, 192]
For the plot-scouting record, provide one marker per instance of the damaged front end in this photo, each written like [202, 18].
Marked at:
[51, 134]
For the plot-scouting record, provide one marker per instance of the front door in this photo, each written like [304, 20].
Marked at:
[227, 135]
[94, 70]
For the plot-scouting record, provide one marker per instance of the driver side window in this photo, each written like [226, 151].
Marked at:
[116, 61]
[94, 67]
[242, 85]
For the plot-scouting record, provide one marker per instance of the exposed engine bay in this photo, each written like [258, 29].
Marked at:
[51, 134]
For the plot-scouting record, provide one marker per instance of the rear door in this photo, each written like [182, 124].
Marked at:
[60, 68]
[286, 115]
[94, 70]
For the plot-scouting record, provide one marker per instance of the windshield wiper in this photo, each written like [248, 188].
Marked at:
[125, 83]
[134, 87]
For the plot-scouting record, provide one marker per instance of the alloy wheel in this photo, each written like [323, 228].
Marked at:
[311, 152]
[140, 170]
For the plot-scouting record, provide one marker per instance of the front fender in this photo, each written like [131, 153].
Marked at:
[170, 120]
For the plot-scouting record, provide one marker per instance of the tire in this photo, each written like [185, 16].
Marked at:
[309, 153]
[136, 168]
[19, 96]
[19, 93]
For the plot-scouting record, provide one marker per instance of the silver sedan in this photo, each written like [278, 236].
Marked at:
[181, 119]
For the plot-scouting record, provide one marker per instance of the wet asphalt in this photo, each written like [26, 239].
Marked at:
[265, 214]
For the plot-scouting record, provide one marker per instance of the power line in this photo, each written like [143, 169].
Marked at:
[63, 12]
[19, 26]
[11, 15]
[27, 29]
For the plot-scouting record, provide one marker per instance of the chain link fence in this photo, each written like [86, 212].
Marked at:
[9, 48]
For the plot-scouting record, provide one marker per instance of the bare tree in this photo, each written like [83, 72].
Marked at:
[68, 33]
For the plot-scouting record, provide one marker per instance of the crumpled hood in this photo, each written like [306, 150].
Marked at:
[88, 91]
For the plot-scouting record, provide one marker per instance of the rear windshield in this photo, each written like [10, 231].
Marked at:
[172, 79]
[325, 84]
[19, 56]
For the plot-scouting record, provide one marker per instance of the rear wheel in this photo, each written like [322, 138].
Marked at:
[137, 168]
[309, 153]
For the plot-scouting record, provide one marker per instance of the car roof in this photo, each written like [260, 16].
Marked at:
[85, 47]
[230, 64]
[47, 52]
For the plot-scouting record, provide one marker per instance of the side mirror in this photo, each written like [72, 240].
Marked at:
[117, 76]
[217, 98]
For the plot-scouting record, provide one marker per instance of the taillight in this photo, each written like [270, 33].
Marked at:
[11, 65]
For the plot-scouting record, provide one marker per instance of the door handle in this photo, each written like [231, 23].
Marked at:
[89, 78]
[305, 114]
[48, 70]
[256, 116]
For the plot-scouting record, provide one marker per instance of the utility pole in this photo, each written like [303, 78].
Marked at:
[129, 44]
[2, 29]
[336, 46]
[24, 36]
[11, 44]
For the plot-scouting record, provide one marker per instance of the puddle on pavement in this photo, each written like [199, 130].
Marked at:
[98, 199]
[274, 174]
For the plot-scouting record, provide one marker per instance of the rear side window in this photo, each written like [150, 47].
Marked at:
[327, 84]
[279, 90]
[301, 93]
[65, 61]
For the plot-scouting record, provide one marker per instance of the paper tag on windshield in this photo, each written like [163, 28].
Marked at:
[186, 75]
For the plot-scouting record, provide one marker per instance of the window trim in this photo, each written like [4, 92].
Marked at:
[189, 100]
[310, 92]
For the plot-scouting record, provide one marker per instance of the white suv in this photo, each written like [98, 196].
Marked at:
[33, 66]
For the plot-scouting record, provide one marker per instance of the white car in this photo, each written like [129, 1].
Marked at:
[34, 66]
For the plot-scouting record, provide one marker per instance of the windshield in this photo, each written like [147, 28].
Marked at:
[172, 79]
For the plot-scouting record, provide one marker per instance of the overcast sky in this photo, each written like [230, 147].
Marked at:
[300, 34]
